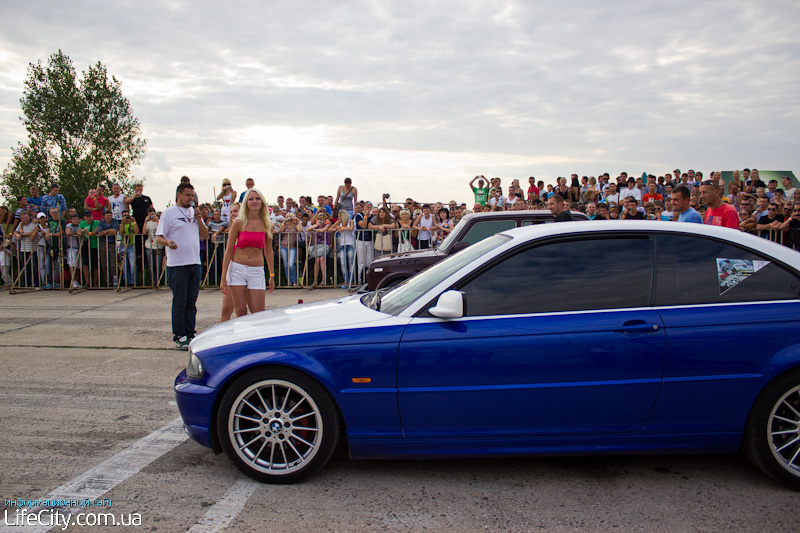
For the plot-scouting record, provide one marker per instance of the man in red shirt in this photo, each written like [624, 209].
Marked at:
[97, 203]
[717, 212]
[651, 195]
[533, 190]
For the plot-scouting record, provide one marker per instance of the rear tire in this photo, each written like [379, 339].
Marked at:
[278, 425]
[772, 436]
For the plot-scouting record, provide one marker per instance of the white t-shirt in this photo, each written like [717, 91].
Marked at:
[117, 206]
[425, 222]
[494, 201]
[636, 193]
[178, 224]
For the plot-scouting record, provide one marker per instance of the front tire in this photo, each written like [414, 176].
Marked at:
[278, 425]
[772, 437]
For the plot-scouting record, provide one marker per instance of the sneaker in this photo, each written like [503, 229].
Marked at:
[182, 343]
[37, 288]
[47, 286]
[76, 285]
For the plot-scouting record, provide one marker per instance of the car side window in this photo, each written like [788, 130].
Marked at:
[481, 230]
[573, 275]
[698, 270]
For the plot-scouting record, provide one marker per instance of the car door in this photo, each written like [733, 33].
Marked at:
[729, 315]
[547, 346]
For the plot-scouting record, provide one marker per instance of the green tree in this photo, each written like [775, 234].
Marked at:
[81, 132]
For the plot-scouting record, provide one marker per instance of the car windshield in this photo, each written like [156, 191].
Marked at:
[397, 299]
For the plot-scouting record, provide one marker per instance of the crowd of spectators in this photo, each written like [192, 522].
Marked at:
[110, 240]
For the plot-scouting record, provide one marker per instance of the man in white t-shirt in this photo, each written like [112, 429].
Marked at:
[788, 190]
[631, 191]
[116, 202]
[611, 196]
[179, 230]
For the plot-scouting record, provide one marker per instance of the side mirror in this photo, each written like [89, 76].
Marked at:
[449, 305]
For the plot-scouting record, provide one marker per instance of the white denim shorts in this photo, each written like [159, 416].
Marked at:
[250, 276]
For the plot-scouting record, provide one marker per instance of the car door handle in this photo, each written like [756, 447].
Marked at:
[638, 326]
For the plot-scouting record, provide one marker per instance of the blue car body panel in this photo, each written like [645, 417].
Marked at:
[640, 380]
[560, 374]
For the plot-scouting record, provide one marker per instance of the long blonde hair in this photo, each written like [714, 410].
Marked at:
[263, 214]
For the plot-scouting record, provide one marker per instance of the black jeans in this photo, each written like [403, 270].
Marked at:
[29, 268]
[185, 284]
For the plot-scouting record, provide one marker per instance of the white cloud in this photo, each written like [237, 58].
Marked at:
[419, 96]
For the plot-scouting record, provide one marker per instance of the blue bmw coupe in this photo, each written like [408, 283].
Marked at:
[571, 338]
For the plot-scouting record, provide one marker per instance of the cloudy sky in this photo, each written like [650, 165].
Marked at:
[416, 97]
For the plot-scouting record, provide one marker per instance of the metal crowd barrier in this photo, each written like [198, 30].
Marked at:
[114, 263]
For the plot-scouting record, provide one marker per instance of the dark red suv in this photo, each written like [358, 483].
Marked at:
[392, 269]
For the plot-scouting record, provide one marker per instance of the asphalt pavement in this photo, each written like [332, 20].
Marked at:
[88, 413]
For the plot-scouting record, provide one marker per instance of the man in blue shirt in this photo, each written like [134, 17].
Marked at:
[322, 201]
[34, 198]
[53, 200]
[681, 207]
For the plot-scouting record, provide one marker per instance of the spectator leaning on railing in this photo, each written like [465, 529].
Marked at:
[128, 229]
[378, 231]
[107, 230]
[26, 235]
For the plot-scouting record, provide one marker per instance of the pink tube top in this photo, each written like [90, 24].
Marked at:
[251, 239]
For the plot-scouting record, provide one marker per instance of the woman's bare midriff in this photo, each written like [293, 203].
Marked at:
[249, 256]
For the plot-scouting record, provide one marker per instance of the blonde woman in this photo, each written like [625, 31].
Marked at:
[227, 196]
[347, 247]
[249, 248]
[289, 232]
[406, 232]
[318, 245]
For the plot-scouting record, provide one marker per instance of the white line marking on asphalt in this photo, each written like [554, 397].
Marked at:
[100, 479]
[126, 354]
[221, 514]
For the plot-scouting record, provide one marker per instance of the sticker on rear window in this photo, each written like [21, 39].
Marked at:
[734, 271]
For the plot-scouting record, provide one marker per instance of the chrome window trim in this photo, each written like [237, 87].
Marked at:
[427, 320]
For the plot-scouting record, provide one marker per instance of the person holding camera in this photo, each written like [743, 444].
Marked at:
[72, 233]
[227, 196]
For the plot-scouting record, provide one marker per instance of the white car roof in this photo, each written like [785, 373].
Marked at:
[779, 252]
